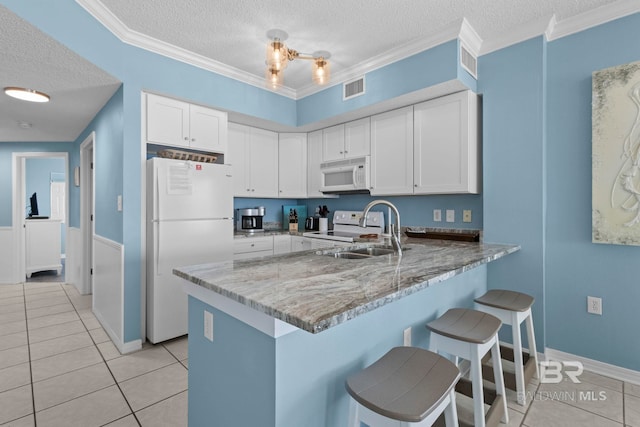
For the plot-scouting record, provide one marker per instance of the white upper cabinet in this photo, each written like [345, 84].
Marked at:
[392, 152]
[253, 153]
[314, 158]
[180, 124]
[357, 138]
[333, 143]
[346, 141]
[292, 165]
[446, 158]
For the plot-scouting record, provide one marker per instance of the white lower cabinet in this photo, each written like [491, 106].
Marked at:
[42, 239]
[281, 244]
[299, 243]
[252, 247]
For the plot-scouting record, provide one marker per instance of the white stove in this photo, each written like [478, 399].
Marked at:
[346, 226]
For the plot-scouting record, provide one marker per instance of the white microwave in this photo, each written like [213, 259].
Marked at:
[349, 175]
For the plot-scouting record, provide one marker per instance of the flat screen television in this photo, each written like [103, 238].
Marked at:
[33, 201]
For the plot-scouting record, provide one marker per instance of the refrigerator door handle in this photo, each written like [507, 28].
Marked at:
[157, 227]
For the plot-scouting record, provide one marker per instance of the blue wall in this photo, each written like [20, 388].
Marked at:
[512, 84]
[575, 267]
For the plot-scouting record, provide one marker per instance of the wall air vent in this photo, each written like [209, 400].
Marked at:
[469, 62]
[353, 88]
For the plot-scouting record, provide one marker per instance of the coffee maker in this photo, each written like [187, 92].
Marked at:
[249, 220]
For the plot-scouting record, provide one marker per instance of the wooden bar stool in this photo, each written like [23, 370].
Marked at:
[408, 386]
[513, 308]
[470, 334]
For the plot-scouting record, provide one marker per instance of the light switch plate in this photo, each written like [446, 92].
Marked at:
[208, 325]
[451, 215]
[437, 215]
[119, 203]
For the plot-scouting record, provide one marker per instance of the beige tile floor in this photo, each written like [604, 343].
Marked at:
[59, 368]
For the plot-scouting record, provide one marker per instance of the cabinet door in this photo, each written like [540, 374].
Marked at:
[392, 152]
[262, 152]
[281, 244]
[333, 143]
[445, 150]
[207, 129]
[167, 121]
[314, 158]
[237, 158]
[292, 165]
[300, 243]
[357, 138]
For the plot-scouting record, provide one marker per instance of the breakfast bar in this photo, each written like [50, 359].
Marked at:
[272, 340]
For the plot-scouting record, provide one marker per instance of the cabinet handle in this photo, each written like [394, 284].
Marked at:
[415, 185]
[341, 152]
[186, 138]
[248, 189]
[346, 151]
[253, 244]
[193, 139]
[253, 189]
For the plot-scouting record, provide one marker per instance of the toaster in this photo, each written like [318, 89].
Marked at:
[312, 223]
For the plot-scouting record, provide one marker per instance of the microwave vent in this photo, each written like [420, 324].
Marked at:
[469, 62]
[346, 162]
[353, 88]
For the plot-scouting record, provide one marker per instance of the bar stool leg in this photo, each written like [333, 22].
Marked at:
[499, 378]
[517, 355]
[476, 383]
[354, 418]
[532, 342]
[450, 413]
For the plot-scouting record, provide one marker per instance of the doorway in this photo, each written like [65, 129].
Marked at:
[87, 209]
[39, 238]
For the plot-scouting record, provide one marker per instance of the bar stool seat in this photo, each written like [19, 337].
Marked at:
[513, 308]
[470, 334]
[410, 385]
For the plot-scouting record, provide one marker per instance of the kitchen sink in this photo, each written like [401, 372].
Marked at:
[360, 253]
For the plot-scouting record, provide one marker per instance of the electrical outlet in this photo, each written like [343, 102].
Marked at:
[208, 325]
[594, 305]
[451, 215]
[437, 215]
[466, 215]
[406, 337]
[119, 203]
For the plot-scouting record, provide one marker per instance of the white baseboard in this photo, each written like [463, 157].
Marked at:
[595, 366]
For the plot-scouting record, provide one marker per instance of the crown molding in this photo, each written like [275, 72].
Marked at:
[96, 9]
[469, 38]
[594, 17]
[550, 27]
[413, 47]
[521, 33]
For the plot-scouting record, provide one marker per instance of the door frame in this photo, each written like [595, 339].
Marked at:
[87, 208]
[19, 200]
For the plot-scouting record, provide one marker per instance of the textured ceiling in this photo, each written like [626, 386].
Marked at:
[354, 31]
[31, 59]
[233, 33]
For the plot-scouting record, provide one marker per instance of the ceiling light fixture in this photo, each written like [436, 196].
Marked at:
[279, 55]
[26, 94]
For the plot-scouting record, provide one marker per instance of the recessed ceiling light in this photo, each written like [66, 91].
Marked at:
[26, 94]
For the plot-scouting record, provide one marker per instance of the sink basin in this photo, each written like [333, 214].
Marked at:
[360, 253]
[373, 251]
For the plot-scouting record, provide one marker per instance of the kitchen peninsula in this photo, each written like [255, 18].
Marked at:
[289, 329]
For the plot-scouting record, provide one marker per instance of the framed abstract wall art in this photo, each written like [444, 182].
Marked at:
[616, 155]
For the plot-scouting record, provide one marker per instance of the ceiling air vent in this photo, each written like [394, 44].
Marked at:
[469, 62]
[353, 88]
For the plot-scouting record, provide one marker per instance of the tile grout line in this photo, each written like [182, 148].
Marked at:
[26, 320]
[105, 363]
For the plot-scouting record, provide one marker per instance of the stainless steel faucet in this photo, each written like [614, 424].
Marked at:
[395, 231]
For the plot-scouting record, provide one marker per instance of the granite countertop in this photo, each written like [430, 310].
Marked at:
[315, 292]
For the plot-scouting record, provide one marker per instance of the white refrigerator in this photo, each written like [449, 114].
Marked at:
[189, 221]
